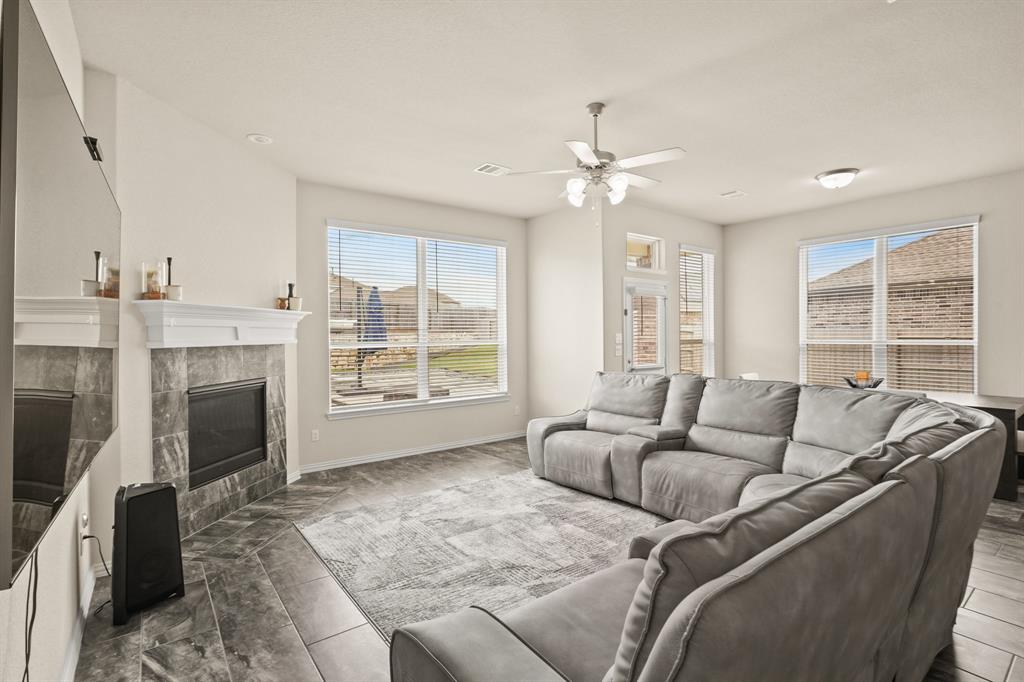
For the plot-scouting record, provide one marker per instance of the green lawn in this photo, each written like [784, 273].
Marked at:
[479, 360]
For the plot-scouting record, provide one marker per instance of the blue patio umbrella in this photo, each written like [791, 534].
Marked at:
[371, 328]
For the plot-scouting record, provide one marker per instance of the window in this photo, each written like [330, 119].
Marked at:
[414, 319]
[643, 253]
[645, 326]
[696, 311]
[900, 304]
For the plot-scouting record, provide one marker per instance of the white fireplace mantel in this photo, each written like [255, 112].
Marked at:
[175, 324]
[65, 321]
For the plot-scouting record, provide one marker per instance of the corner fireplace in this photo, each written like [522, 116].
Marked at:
[227, 429]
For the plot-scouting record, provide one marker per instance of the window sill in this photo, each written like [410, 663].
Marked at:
[369, 411]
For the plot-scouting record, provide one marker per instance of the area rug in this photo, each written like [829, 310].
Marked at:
[495, 543]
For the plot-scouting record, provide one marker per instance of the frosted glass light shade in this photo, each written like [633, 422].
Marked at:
[575, 186]
[576, 199]
[835, 179]
[618, 182]
[616, 196]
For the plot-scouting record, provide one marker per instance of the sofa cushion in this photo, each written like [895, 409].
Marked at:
[765, 407]
[768, 485]
[577, 628]
[754, 447]
[845, 419]
[641, 396]
[617, 424]
[581, 460]
[922, 433]
[700, 553]
[694, 485]
[811, 461]
[684, 393]
[774, 618]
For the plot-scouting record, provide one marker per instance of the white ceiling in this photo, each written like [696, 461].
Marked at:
[406, 98]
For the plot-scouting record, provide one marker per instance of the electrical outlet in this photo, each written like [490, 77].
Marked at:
[84, 521]
[315, 435]
[515, 410]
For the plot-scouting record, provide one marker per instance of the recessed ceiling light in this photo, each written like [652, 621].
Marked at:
[834, 179]
[259, 138]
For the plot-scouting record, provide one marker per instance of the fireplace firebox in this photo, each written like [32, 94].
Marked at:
[227, 429]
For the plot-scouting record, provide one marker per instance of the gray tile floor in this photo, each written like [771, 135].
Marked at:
[261, 606]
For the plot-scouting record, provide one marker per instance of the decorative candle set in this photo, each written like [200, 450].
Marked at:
[289, 302]
[106, 282]
[157, 283]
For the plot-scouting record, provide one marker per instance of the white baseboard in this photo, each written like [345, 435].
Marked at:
[99, 571]
[294, 476]
[75, 643]
[407, 452]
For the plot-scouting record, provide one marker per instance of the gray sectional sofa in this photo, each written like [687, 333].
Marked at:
[816, 533]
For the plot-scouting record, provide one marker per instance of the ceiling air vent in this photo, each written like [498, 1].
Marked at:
[492, 169]
[733, 194]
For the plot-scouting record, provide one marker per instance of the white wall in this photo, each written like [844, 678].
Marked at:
[421, 430]
[65, 586]
[566, 318]
[226, 216]
[761, 283]
[59, 28]
[631, 216]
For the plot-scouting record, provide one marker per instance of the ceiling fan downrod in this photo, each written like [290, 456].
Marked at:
[595, 109]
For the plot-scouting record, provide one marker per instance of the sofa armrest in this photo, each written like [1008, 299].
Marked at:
[540, 428]
[629, 451]
[465, 646]
[641, 545]
[659, 433]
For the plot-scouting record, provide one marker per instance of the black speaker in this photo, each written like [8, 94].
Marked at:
[147, 548]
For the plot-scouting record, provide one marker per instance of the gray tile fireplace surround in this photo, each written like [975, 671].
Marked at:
[175, 370]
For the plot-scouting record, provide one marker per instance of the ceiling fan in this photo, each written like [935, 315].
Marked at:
[597, 171]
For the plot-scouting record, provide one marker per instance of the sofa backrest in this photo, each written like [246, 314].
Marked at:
[682, 562]
[923, 428]
[846, 420]
[621, 400]
[749, 420]
[968, 471]
[834, 423]
[684, 393]
[819, 605]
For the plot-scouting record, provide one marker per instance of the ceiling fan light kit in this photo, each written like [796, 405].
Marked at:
[597, 171]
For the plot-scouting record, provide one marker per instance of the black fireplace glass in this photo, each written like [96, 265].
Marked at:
[227, 429]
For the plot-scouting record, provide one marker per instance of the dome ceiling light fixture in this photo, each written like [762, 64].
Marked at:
[597, 173]
[838, 178]
[259, 138]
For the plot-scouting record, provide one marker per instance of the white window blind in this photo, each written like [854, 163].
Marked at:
[696, 312]
[900, 305]
[414, 319]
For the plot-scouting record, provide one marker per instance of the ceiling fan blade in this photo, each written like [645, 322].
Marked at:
[649, 158]
[545, 172]
[641, 181]
[583, 152]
